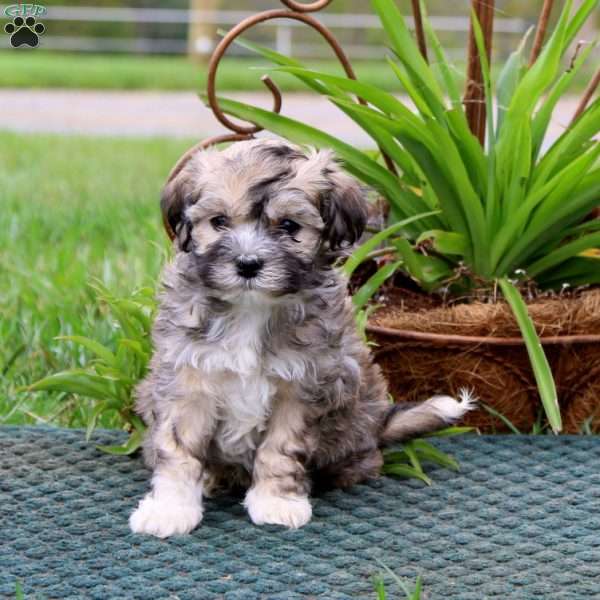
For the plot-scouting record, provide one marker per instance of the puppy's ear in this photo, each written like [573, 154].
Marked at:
[174, 200]
[343, 209]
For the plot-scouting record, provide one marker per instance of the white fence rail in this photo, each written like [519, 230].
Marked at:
[283, 38]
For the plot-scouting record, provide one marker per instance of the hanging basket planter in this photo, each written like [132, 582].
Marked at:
[478, 345]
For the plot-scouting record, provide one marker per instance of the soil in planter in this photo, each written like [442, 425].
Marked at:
[500, 376]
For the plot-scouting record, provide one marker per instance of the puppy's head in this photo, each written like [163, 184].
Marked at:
[263, 216]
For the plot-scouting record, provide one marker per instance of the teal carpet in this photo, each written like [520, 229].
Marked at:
[520, 521]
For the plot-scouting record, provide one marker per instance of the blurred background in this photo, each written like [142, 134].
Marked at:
[94, 117]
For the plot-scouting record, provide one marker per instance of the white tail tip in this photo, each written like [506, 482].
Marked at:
[450, 409]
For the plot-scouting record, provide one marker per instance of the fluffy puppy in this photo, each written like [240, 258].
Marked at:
[259, 378]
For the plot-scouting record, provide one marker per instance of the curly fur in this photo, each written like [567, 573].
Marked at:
[262, 381]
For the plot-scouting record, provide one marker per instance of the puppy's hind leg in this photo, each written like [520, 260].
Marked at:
[280, 484]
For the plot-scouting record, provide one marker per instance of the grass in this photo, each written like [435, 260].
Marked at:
[98, 71]
[74, 209]
[43, 69]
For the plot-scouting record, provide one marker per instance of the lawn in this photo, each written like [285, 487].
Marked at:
[129, 72]
[74, 209]
[125, 72]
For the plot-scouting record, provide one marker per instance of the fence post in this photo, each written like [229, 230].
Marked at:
[283, 39]
[201, 35]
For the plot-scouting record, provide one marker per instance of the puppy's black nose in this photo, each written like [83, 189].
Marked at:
[248, 266]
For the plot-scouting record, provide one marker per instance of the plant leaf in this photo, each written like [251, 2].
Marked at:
[134, 441]
[76, 381]
[96, 347]
[405, 48]
[357, 162]
[563, 253]
[361, 253]
[366, 291]
[454, 430]
[425, 451]
[539, 362]
[93, 420]
[446, 242]
[426, 269]
[405, 471]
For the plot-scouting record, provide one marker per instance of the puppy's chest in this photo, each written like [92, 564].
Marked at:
[244, 378]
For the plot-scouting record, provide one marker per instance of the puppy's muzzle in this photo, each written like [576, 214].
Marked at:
[248, 266]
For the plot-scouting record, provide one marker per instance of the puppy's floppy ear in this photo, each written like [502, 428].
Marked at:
[174, 200]
[343, 209]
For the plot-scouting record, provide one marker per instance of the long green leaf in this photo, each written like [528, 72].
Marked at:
[563, 253]
[361, 253]
[539, 362]
[412, 456]
[382, 100]
[133, 443]
[574, 272]
[469, 148]
[445, 242]
[366, 291]
[511, 74]
[96, 347]
[76, 381]
[519, 235]
[405, 471]
[442, 61]
[543, 71]
[491, 207]
[93, 420]
[405, 48]
[357, 162]
[541, 120]
[427, 270]
[440, 161]
[570, 144]
[454, 430]
[428, 452]
[579, 18]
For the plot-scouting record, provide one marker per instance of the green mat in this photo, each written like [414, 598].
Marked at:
[520, 521]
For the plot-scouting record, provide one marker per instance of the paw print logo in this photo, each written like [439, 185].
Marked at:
[24, 32]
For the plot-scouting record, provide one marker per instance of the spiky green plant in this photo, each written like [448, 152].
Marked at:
[409, 594]
[110, 376]
[512, 210]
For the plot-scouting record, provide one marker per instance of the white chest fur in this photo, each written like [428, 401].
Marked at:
[240, 378]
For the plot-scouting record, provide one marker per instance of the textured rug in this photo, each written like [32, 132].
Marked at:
[521, 520]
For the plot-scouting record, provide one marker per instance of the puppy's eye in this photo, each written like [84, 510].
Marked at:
[219, 222]
[289, 226]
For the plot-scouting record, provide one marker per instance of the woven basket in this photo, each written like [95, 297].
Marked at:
[478, 345]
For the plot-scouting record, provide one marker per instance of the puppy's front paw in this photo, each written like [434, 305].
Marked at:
[165, 517]
[266, 507]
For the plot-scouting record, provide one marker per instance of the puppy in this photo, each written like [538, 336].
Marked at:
[259, 378]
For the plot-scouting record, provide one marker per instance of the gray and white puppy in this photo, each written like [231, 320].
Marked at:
[259, 378]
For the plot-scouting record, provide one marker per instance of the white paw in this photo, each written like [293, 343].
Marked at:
[452, 410]
[166, 516]
[290, 511]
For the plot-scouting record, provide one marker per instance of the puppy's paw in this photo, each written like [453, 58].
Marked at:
[266, 507]
[165, 517]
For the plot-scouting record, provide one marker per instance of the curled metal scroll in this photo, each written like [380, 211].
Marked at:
[249, 22]
[310, 7]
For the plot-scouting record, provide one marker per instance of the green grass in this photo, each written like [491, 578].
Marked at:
[73, 209]
[124, 72]
[97, 71]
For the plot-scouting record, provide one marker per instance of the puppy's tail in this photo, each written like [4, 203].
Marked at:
[406, 421]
